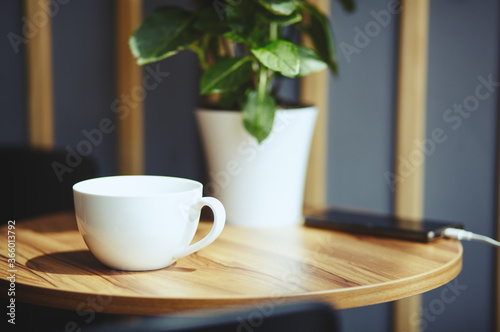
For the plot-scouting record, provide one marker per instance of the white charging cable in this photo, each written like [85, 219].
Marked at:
[461, 234]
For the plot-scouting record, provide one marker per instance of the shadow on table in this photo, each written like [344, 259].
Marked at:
[63, 221]
[81, 262]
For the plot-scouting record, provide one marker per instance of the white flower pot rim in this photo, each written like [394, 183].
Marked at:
[279, 109]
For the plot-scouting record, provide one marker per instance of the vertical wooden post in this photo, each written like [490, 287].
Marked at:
[129, 85]
[314, 90]
[39, 74]
[411, 111]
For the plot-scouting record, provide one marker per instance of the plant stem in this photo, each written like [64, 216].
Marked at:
[273, 35]
[225, 46]
[273, 31]
[201, 57]
[200, 51]
[262, 81]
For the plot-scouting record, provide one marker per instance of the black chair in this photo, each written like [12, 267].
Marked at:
[35, 181]
[297, 317]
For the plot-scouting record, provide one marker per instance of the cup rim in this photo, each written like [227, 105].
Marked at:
[79, 187]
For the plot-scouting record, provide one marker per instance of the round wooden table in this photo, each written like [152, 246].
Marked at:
[243, 267]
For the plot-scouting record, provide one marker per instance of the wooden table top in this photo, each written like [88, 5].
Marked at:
[242, 267]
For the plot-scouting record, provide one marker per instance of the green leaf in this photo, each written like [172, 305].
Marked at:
[280, 56]
[208, 21]
[231, 100]
[258, 114]
[226, 75]
[321, 35]
[235, 36]
[258, 38]
[163, 33]
[239, 16]
[295, 17]
[280, 7]
[310, 62]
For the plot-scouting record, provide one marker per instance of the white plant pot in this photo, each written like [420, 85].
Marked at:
[259, 185]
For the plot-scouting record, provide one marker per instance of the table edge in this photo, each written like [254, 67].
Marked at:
[339, 298]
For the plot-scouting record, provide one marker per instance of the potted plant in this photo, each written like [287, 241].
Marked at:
[256, 148]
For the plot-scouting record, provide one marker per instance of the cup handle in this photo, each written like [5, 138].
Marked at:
[219, 221]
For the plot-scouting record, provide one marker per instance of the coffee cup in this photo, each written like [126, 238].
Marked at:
[143, 222]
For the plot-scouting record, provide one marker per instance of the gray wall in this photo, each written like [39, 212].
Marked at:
[460, 179]
[83, 68]
[459, 173]
[12, 79]
[84, 90]
[172, 144]
[361, 121]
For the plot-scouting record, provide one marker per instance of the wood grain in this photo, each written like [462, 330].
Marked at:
[130, 90]
[243, 267]
[411, 109]
[314, 91]
[39, 75]
[410, 122]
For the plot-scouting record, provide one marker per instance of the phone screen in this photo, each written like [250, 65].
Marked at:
[379, 224]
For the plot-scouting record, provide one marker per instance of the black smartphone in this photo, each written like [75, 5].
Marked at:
[378, 224]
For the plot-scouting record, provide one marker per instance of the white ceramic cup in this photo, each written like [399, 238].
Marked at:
[141, 222]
